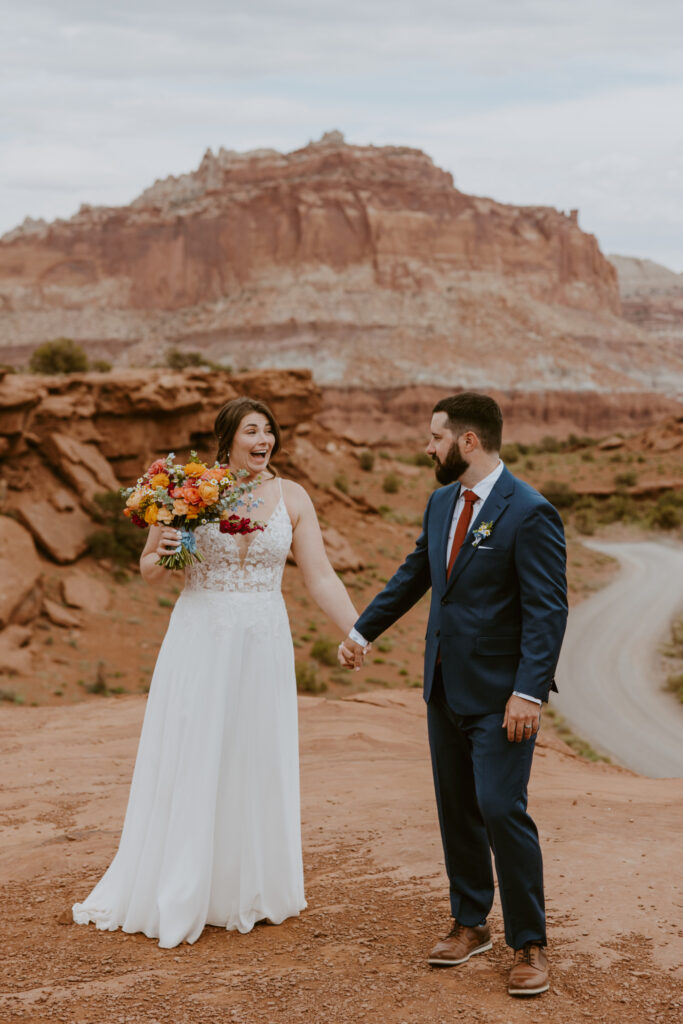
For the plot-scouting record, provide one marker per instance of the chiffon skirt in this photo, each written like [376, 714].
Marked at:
[212, 830]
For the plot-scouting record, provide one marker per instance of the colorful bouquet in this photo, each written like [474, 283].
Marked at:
[186, 497]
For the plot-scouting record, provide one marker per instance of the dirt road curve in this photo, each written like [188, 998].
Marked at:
[374, 881]
[610, 685]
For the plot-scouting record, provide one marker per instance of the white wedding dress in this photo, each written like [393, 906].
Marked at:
[212, 832]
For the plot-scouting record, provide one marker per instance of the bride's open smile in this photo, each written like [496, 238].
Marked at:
[252, 444]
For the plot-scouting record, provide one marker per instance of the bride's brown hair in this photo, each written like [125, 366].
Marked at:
[231, 415]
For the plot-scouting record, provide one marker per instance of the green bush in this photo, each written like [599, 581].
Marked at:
[665, 515]
[324, 650]
[674, 684]
[626, 479]
[60, 356]
[118, 539]
[423, 459]
[100, 365]
[619, 508]
[341, 483]
[178, 360]
[558, 493]
[550, 444]
[307, 680]
[366, 461]
[510, 453]
[585, 521]
[391, 483]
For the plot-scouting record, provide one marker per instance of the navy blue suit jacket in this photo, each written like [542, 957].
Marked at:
[500, 618]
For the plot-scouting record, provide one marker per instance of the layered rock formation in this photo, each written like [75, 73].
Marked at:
[363, 263]
[651, 296]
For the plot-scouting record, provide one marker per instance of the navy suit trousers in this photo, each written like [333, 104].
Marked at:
[481, 780]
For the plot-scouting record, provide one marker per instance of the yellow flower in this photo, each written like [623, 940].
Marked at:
[165, 515]
[151, 514]
[208, 491]
[192, 513]
[194, 468]
[180, 507]
[160, 480]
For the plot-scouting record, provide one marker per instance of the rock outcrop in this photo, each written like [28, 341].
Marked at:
[651, 297]
[362, 263]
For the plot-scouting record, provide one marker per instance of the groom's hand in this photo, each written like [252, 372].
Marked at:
[522, 719]
[350, 654]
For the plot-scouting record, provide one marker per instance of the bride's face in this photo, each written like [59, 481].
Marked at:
[252, 444]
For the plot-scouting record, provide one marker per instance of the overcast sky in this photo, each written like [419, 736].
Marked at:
[571, 104]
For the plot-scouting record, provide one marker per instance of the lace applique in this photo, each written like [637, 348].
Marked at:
[254, 562]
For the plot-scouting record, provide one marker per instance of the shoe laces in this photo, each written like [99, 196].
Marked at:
[527, 954]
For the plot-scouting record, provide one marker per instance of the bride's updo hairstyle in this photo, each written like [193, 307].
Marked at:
[229, 419]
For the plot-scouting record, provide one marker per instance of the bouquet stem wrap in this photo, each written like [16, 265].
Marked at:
[185, 556]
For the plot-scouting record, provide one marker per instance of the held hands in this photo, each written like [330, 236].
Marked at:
[522, 719]
[350, 654]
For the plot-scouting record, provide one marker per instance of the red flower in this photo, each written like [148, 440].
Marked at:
[157, 467]
[235, 524]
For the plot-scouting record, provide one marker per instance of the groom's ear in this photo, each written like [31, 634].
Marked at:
[470, 440]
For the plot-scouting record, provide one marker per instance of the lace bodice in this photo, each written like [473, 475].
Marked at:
[254, 562]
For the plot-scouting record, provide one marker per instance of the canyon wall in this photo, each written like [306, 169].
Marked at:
[362, 263]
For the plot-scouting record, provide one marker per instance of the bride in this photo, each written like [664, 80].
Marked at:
[212, 832]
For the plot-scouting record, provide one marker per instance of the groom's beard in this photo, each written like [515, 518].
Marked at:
[452, 467]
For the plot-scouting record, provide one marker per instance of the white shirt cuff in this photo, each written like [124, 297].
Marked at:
[516, 693]
[357, 638]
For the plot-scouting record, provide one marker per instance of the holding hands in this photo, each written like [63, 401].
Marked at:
[351, 654]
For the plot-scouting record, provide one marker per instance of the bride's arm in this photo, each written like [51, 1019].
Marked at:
[161, 540]
[322, 582]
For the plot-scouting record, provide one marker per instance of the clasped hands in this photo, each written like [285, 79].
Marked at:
[351, 654]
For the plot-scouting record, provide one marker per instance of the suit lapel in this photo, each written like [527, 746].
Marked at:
[494, 506]
[443, 546]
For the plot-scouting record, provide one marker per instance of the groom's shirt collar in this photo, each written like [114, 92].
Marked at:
[485, 486]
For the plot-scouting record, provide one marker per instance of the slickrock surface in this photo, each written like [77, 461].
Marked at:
[364, 263]
[374, 878]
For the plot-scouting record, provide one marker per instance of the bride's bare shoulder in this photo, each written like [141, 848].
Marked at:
[296, 497]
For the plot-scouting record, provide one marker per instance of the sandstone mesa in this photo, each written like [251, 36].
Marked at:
[363, 263]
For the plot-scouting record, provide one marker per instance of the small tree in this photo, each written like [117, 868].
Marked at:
[60, 356]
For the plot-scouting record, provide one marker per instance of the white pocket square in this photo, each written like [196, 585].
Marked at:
[486, 547]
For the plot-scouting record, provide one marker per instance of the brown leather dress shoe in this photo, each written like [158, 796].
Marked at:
[529, 971]
[460, 944]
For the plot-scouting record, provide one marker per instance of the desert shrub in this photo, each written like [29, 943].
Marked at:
[510, 453]
[341, 483]
[587, 456]
[100, 365]
[60, 356]
[178, 360]
[385, 644]
[324, 650]
[366, 461]
[391, 483]
[117, 539]
[576, 441]
[666, 515]
[422, 459]
[307, 679]
[585, 521]
[619, 508]
[626, 479]
[550, 444]
[558, 493]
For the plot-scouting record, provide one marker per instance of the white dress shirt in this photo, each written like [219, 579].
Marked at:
[482, 491]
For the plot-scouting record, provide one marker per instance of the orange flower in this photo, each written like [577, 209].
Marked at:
[180, 507]
[217, 473]
[136, 499]
[194, 468]
[151, 514]
[160, 480]
[165, 515]
[192, 513]
[208, 491]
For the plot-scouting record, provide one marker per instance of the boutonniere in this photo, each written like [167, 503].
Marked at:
[483, 531]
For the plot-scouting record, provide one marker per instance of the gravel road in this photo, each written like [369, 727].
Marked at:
[610, 685]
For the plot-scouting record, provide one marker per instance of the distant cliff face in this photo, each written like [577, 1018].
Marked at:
[652, 296]
[358, 262]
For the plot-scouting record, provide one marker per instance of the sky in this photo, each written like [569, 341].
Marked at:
[570, 104]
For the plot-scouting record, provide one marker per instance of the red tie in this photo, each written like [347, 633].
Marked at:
[462, 528]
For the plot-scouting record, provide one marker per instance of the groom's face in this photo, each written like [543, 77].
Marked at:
[444, 448]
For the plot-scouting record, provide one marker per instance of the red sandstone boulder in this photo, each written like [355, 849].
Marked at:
[82, 591]
[15, 655]
[20, 572]
[340, 553]
[60, 615]
[83, 465]
[63, 535]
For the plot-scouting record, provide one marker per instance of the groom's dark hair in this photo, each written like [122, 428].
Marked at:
[478, 413]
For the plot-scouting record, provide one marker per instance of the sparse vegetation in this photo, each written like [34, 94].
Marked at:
[558, 493]
[366, 461]
[391, 483]
[324, 650]
[117, 540]
[674, 684]
[579, 746]
[627, 479]
[63, 355]
[341, 483]
[308, 679]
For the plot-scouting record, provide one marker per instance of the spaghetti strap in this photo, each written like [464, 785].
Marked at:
[279, 480]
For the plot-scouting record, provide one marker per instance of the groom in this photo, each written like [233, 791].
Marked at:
[492, 550]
